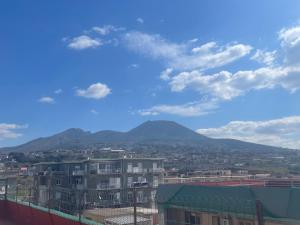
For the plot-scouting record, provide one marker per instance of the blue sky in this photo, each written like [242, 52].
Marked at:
[224, 68]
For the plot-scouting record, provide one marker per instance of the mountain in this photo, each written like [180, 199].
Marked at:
[163, 131]
[158, 132]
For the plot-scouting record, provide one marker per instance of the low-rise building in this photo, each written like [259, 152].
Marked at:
[217, 205]
[71, 186]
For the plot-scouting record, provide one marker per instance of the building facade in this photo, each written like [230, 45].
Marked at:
[72, 186]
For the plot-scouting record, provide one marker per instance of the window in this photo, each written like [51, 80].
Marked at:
[129, 181]
[154, 166]
[58, 182]
[77, 167]
[78, 180]
[93, 168]
[103, 184]
[155, 181]
[105, 167]
[57, 195]
[225, 222]
[153, 194]
[192, 218]
[114, 182]
[130, 196]
[129, 168]
[140, 196]
[142, 179]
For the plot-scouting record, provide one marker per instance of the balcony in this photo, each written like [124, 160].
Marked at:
[57, 172]
[136, 170]
[110, 171]
[107, 187]
[79, 186]
[78, 173]
[156, 170]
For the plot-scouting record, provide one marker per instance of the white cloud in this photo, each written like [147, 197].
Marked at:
[90, 38]
[95, 91]
[8, 131]
[165, 74]
[284, 132]
[181, 56]
[58, 91]
[264, 57]
[140, 20]
[205, 48]
[188, 110]
[106, 29]
[152, 45]
[134, 66]
[194, 40]
[84, 42]
[47, 99]
[95, 112]
[290, 42]
[225, 85]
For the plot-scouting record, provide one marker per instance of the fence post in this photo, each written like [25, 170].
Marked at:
[259, 213]
[79, 206]
[49, 192]
[6, 189]
[17, 191]
[29, 199]
[134, 206]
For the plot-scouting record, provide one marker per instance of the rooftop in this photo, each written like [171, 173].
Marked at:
[96, 160]
[277, 203]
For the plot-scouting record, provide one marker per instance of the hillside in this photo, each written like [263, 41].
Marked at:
[151, 132]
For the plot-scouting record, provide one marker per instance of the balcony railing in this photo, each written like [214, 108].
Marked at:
[78, 172]
[79, 186]
[156, 170]
[145, 170]
[107, 187]
[137, 170]
[110, 171]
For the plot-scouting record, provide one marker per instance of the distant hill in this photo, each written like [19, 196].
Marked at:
[158, 132]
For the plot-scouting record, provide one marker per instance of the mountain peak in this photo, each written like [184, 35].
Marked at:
[73, 132]
[163, 129]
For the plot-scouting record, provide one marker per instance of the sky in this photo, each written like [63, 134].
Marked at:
[226, 69]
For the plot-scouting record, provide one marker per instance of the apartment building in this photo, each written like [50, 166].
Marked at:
[217, 205]
[72, 186]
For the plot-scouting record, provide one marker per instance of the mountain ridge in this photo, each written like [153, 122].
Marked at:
[157, 132]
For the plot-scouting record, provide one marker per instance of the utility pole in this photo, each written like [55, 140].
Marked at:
[134, 206]
[135, 186]
[17, 189]
[6, 188]
[29, 198]
[49, 192]
[259, 212]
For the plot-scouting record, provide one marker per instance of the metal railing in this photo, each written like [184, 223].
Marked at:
[100, 206]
